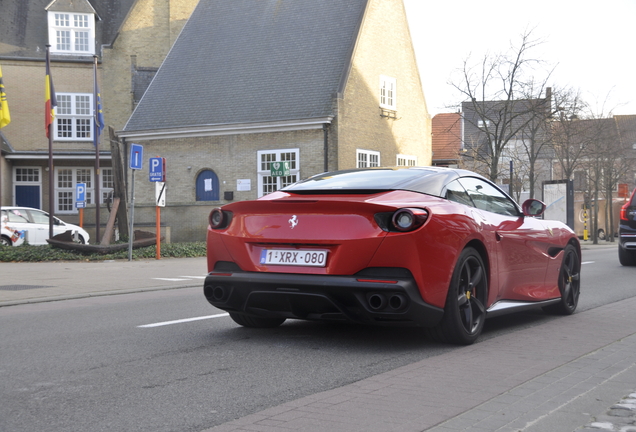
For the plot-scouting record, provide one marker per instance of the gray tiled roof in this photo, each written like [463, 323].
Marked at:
[243, 61]
[23, 24]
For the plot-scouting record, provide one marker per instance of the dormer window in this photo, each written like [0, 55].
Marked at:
[72, 33]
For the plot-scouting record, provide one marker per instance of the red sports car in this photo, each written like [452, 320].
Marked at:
[433, 247]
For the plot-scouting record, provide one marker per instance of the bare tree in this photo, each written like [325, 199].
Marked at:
[497, 108]
[569, 135]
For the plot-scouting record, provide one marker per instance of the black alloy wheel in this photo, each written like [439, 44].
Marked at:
[5, 241]
[465, 311]
[569, 282]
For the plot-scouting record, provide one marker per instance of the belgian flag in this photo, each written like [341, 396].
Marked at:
[50, 102]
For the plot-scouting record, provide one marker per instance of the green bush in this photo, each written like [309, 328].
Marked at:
[29, 253]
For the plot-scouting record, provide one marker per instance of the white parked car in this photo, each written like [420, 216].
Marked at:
[24, 224]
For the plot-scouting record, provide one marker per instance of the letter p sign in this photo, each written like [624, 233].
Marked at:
[80, 191]
[158, 169]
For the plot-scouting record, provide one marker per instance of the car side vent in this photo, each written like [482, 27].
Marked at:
[384, 272]
[226, 266]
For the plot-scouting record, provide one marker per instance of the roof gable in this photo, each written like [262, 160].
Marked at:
[79, 6]
[245, 61]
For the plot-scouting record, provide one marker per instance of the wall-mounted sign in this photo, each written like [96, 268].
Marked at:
[279, 169]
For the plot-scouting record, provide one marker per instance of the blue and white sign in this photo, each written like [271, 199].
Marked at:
[136, 156]
[80, 195]
[158, 169]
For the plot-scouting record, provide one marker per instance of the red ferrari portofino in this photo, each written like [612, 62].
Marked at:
[433, 247]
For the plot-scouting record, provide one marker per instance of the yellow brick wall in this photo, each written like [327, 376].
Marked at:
[148, 33]
[24, 83]
[231, 157]
[384, 48]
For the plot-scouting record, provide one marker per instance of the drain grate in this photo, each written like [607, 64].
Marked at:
[21, 287]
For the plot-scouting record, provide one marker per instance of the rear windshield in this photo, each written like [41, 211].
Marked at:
[422, 180]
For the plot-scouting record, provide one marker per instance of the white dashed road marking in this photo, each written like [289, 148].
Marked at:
[185, 320]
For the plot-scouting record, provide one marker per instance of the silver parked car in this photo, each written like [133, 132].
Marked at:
[25, 224]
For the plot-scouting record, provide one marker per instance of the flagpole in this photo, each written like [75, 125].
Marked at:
[5, 119]
[96, 127]
[50, 135]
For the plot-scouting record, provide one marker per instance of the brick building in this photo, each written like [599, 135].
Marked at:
[130, 39]
[319, 84]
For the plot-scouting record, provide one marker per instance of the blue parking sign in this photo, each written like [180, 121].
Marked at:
[158, 169]
[80, 192]
[80, 195]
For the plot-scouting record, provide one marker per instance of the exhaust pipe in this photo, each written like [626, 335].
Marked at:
[218, 293]
[376, 301]
[397, 301]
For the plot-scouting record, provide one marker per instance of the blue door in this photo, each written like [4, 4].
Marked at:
[27, 196]
[207, 186]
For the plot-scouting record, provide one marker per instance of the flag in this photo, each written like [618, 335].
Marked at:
[50, 101]
[5, 117]
[99, 115]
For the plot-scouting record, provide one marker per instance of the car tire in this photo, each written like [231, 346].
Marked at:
[626, 257]
[256, 322]
[569, 283]
[465, 311]
[5, 241]
[80, 240]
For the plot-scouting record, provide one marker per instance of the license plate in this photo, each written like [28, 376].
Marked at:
[294, 257]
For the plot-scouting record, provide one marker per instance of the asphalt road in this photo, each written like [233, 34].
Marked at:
[86, 364]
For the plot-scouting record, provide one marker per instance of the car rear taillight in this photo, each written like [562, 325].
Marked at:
[219, 219]
[624, 212]
[408, 219]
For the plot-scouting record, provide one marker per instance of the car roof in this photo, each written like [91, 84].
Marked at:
[428, 180]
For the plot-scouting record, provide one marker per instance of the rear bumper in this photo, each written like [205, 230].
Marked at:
[321, 297]
[627, 237]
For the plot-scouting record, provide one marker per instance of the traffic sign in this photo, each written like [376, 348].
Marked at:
[158, 169]
[80, 192]
[160, 194]
[279, 169]
[136, 156]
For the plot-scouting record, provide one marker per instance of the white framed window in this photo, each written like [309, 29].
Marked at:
[266, 182]
[367, 158]
[406, 160]
[482, 123]
[388, 93]
[71, 33]
[107, 183]
[74, 117]
[65, 180]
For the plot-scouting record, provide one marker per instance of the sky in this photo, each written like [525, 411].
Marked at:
[590, 44]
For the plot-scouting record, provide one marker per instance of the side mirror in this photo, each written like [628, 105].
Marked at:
[533, 207]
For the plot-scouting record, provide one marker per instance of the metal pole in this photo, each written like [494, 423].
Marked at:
[98, 197]
[132, 217]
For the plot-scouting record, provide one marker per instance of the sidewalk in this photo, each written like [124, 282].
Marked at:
[559, 376]
[50, 281]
